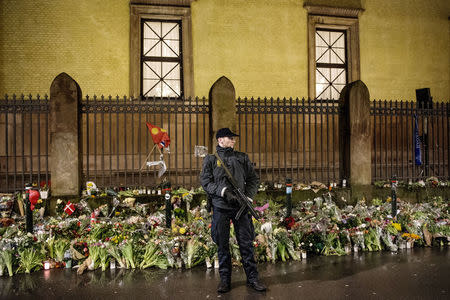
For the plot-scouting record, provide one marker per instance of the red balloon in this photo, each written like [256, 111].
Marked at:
[34, 197]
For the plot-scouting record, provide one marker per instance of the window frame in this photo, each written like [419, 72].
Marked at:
[333, 19]
[331, 65]
[144, 58]
[182, 14]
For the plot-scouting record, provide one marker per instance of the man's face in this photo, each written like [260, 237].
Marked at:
[227, 142]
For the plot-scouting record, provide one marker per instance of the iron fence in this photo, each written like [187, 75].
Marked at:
[117, 142]
[393, 151]
[293, 138]
[24, 136]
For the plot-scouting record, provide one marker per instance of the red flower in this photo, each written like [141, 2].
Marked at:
[367, 219]
[289, 222]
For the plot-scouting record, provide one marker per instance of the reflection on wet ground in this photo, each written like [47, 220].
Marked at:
[415, 273]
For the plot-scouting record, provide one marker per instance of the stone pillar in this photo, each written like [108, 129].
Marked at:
[355, 135]
[65, 142]
[222, 106]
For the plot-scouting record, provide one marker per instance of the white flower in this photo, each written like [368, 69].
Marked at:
[310, 244]
[266, 227]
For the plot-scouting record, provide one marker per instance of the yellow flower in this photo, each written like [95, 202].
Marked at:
[415, 236]
[117, 213]
[39, 201]
[397, 226]
[174, 229]
[182, 230]
[389, 199]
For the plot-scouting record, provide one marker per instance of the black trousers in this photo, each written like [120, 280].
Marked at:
[245, 233]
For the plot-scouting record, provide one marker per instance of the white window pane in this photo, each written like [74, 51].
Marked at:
[323, 75]
[320, 87]
[152, 30]
[340, 43]
[337, 56]
[338, 76]
[336, 38]
[170, 31]
[151, 70]
[335, 94]
[171, 89]
[152, 48]
[322, 38]
[152, 88]
[170, 49]
[323, 92]
[167, 68]
[322, 55]
[172, 72]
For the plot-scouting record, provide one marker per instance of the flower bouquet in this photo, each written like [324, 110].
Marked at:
[195, 253]
[128, 254]
[333, 245]
[29, 259]
[7, 255]
[115, 253]
[153, 256]
[60, 247]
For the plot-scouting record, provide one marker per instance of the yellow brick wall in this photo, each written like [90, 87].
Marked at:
[260, 45]
[405, 45]
[87, 39]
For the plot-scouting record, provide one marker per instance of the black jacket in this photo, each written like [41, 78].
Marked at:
[213, 177]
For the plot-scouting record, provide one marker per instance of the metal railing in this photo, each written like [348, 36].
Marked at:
[24, 139]
[293, 138]
[116, 141]
[393, 151]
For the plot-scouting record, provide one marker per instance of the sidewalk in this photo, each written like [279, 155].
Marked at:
[421, 273]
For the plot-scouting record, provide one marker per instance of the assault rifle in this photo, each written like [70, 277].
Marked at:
[244, 201]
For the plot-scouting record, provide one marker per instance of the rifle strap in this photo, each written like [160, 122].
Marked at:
[233, 181]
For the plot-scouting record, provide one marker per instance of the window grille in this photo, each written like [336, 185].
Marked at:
[161, 59]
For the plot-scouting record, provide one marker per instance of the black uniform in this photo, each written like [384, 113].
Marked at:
[214, 179]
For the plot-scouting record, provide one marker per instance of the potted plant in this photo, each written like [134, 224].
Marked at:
[40, 207]
[44, 192]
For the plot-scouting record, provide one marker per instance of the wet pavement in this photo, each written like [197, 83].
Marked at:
[421, 273]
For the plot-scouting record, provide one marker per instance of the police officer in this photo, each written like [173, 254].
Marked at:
[225, 206]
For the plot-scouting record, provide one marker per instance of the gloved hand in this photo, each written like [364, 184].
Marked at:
[231, 197]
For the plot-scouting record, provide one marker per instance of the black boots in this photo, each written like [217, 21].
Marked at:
[224, 286]
[257, 285]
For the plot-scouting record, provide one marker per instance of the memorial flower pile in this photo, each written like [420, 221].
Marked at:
[137, 236]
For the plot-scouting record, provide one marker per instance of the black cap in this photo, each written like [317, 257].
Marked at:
[225, 132]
